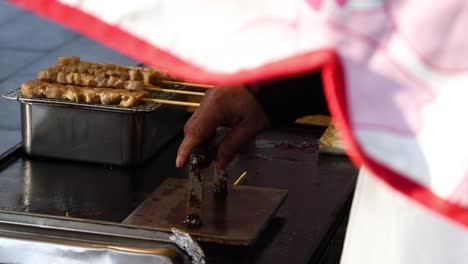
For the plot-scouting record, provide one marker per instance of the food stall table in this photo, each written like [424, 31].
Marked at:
[319, 188]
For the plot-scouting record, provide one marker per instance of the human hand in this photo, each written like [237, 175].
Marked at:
[234, 107]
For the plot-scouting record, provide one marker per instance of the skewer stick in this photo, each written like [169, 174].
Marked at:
[155, 88]
[188, 84]
[241, 180]
[171, 102]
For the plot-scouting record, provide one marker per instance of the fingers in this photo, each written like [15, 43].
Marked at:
[195, 133]
[201, 126]
[233, 107]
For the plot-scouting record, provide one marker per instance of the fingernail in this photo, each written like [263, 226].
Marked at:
[178, 162]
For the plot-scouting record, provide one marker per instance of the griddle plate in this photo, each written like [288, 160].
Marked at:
[238, 220]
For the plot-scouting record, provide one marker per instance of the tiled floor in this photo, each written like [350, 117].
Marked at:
[28, 44]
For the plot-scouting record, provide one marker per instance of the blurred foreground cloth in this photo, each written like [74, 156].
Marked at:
[396, 81]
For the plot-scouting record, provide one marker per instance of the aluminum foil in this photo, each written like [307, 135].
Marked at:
[190, 246]
[26, 251]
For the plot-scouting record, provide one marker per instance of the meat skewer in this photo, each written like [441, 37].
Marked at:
[73, 71]
[81, 73]
[75, 65]
[89, 80]
[40, 89]
[124, 98]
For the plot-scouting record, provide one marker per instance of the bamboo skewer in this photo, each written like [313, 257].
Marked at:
[188, 84]
[241, 179]
[158, 89]
[151, 87]
[171, 102]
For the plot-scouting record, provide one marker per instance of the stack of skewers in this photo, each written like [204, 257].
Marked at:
[88, 82]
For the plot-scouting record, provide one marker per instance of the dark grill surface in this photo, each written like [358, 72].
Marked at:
[320, 188]
[78, 189]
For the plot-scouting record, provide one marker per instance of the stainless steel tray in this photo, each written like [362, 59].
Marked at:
[97, 133]
[28, 238]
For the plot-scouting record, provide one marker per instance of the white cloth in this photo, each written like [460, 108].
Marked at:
[386, 227]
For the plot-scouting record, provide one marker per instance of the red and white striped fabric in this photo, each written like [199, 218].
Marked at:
[396, 78]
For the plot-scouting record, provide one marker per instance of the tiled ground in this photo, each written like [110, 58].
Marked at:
[29, 43]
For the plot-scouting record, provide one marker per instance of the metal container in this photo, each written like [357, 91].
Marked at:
[34, 238]
[96, 133]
